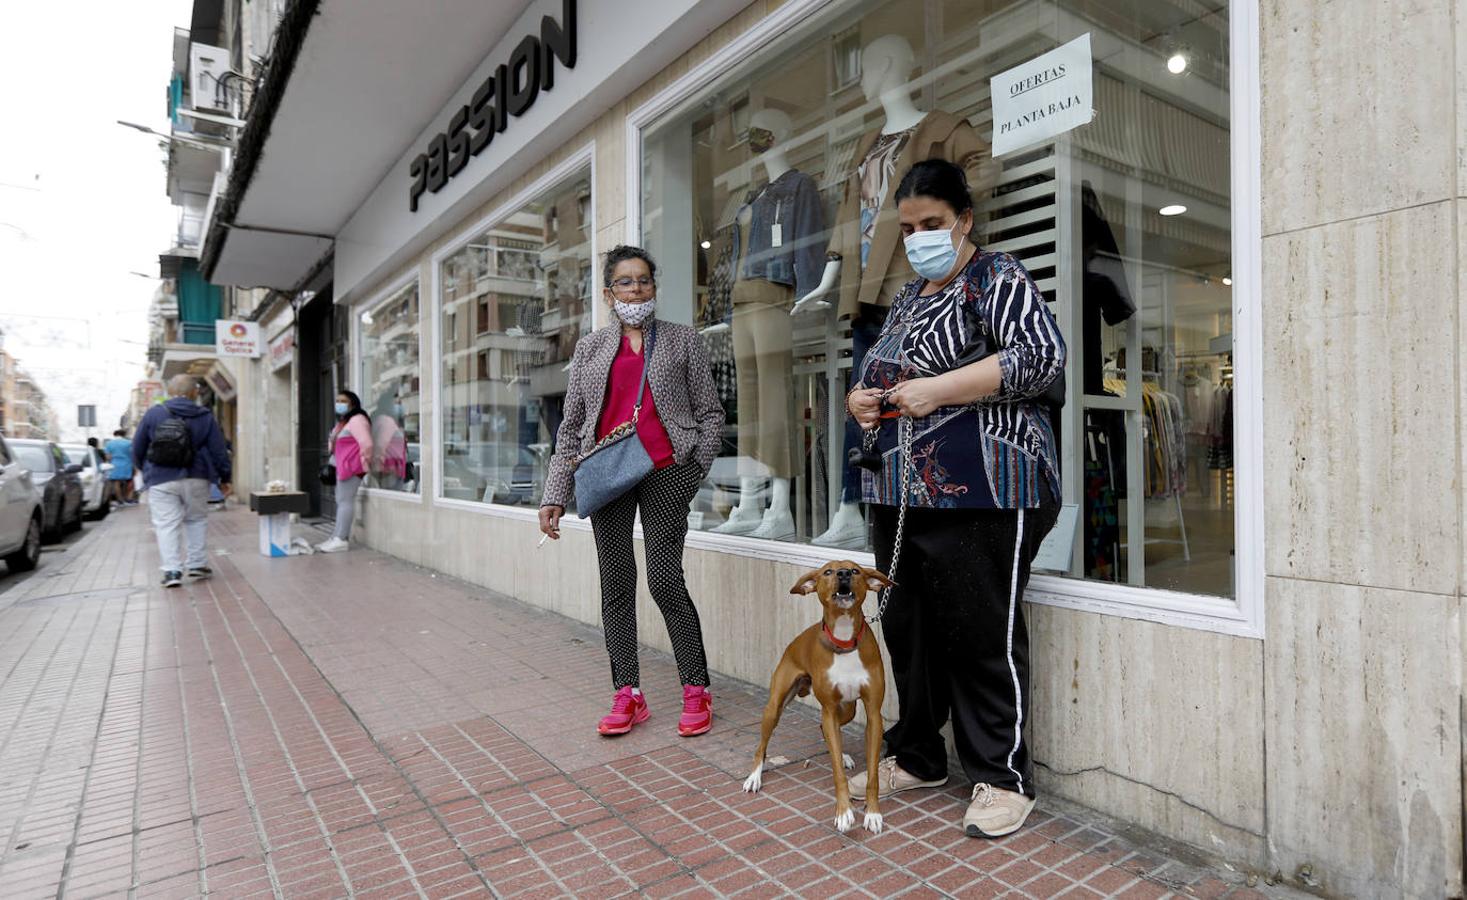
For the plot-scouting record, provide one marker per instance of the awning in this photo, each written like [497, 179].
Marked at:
[349, 87]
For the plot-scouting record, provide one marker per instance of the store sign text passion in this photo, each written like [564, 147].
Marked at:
[510, 91]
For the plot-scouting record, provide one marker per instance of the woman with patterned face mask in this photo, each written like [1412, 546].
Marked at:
[679, 421]
[953, 392]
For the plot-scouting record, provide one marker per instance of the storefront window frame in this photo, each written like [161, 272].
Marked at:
[583, 158]
[1241, 615]
[375, 301]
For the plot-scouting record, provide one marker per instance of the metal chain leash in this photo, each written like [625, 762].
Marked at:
[904, 459]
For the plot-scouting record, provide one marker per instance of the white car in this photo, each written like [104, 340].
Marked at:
[21, 520]
[95, 487]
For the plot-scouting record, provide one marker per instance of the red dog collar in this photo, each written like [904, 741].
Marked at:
[840, 645]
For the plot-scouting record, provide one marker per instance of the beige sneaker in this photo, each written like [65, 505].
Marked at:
[996, 812]
[891, 778]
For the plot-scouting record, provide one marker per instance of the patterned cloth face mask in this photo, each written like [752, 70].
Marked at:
[634, 314]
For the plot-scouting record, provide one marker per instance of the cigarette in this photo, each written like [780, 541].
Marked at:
[543, 539]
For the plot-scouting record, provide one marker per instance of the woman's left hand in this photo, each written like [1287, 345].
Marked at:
[916, 397]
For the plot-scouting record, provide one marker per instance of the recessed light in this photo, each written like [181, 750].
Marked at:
[1176, 64]
[706, 244]
[1228, 282]
[1176, 209]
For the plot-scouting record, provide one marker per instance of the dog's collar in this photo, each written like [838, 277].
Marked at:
[839, 645]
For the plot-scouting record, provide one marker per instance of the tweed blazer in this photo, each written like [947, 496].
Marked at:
[681, 383]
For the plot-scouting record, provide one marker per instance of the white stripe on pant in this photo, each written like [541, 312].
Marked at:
[180, 511]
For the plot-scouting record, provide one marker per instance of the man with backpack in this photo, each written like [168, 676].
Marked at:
[180, 450]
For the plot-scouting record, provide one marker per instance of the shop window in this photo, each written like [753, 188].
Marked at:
[520, 285]
[390, 380]
[1123, 219]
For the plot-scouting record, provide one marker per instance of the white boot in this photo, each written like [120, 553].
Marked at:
[745, 517]
[847, 529]
[778, 523]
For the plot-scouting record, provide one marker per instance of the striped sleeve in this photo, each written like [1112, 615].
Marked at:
[1031, 349]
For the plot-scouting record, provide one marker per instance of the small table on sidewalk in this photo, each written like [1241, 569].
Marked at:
[275, 508]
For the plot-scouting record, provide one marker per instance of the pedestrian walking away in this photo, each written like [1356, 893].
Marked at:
[954, 393]
[351, 451]
[119, 477]
[180, 449]
[678, 420]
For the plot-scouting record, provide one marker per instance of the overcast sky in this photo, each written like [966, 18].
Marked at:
[82, 199]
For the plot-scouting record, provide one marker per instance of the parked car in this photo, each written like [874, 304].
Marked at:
[57, 483]
[95, 489]
[21, 518]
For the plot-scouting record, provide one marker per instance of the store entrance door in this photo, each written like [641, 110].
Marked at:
[321, 349]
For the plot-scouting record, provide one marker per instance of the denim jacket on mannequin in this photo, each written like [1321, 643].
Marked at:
[792, 202]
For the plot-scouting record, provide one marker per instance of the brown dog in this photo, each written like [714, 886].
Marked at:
[838, 659]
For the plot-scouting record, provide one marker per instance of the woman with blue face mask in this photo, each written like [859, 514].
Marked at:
[967, 354]
[351, 450]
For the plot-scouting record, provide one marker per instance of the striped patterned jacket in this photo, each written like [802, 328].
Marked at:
[682, 388]
[987, 455]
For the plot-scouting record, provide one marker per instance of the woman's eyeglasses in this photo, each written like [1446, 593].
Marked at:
[626, 284]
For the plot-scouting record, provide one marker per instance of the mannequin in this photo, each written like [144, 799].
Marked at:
[868, 263]
[776, 227]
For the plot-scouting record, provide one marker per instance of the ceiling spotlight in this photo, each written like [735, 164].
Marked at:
[1176, 63]
[1227, 281]
[367, 318]
[1176, 209]
[706, 244]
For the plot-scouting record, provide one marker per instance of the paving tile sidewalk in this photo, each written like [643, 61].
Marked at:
[351, 725]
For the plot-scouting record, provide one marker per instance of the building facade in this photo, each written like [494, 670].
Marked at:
[1247, 635]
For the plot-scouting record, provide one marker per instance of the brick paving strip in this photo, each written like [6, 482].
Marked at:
[351, 725]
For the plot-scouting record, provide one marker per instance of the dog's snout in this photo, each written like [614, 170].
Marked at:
[843, 579]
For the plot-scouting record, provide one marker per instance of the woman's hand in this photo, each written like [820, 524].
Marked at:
[916, 397]
[550, 521]
[864, 405]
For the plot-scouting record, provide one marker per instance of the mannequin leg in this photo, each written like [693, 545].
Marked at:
[749, 511]
[778, 522]
[848, 527]
[746, 516]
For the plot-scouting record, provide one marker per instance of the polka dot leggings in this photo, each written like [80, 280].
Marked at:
[663, 498]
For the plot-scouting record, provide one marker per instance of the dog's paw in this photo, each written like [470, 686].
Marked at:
[873, 822]
[845, 820]
[755, 780]
[845, 760]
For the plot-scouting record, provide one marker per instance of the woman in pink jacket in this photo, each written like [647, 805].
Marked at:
[351, 448]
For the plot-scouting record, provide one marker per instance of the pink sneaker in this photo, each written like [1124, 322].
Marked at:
[627, 709]
[697, 714]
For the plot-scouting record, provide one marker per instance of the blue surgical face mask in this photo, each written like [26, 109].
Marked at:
[932, 253]
[341, 409]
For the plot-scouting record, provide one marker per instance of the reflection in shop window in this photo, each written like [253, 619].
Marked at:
[515, 299]
[752, 184]
[392, 385]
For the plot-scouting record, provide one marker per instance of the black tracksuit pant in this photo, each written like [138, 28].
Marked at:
[957, 638]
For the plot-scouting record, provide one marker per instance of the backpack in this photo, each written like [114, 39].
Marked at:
[172, 444]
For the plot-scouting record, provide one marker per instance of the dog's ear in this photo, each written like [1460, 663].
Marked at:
[876, 580]
[807, 582]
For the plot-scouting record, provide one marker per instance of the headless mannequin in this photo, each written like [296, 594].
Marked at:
[886, 71]
[750, 516]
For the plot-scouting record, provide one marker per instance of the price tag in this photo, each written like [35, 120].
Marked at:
[776, 235]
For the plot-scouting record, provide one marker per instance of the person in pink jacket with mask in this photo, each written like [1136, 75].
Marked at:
[351, 449]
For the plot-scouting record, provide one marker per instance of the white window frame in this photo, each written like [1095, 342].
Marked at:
[583, 158]
[358, 371]
[1243, 614]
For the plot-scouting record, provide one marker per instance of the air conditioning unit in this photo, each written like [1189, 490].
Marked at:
[207, 66]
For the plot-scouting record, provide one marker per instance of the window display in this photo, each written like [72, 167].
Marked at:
[515, 299]
[391, 390]
[767, 201]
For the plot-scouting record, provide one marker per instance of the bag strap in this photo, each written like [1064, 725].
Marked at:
[646, 361]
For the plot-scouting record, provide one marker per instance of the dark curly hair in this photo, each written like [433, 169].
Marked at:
[621, 253]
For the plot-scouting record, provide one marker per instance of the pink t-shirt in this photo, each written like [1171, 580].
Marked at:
[621, 399]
